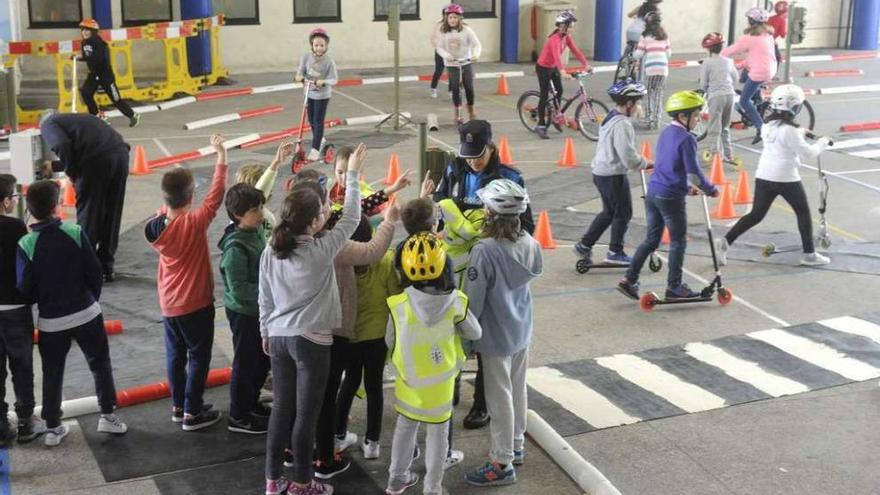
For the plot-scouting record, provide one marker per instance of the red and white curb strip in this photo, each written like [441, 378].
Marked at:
[860, 126]
[231, 117]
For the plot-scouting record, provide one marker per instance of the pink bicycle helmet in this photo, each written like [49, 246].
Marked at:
[319, 32]
[454, 8]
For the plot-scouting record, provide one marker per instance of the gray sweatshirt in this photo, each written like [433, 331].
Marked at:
[313, 68]
[430, 308]
[298, 295]
[499, 293]
[718, 76]
[616, 150]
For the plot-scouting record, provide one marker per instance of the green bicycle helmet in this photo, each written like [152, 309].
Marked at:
[683, 101]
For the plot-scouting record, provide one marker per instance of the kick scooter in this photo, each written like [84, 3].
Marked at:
[706, 156]
[300, 156]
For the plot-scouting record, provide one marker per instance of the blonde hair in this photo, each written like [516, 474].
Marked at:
[249, 173]
[758, 29]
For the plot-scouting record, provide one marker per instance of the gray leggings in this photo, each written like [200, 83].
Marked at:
[655, 98]
[299, 373]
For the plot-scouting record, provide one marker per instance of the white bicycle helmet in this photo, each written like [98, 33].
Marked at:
[757, 16]
[504, 197]
[565, 17]
[787, 98]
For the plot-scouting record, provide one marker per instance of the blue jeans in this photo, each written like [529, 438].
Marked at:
[616, 211]
[317, 112]
[660, 212]
[188, 343]
[250, 365]
[745, 101]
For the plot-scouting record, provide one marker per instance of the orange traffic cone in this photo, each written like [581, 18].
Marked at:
[716, 175]
[743, 194]
[112, 327]
[543, 233]
[504, 151]
[568, 159]
[725, 208]
[664, 239]
[646, 150]
[69, 194]
[140, 161]
[393, 170]
[502, 86]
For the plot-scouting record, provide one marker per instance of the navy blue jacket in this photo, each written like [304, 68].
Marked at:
[81, 142]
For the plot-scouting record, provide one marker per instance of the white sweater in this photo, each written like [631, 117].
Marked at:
[458, 45]
[784, 147]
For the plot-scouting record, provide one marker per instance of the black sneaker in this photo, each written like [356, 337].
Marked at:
[757, 138]
[177, 414]
[261, 410]
[476, 418]
[680, 293]
[628, 289]
[325, 471]
[7, 434]
[583, 252]
[252, 426]
[135, 120]
[202, 420]
[30, 428]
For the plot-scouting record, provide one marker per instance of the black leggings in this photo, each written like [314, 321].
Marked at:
[459, 76]
[108, 83]
[366, 359]
[545, 75]
[438, 70]
[765, 192]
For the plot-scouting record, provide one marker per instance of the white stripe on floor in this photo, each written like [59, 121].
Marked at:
[852, 143]
[744, 371]
[855, 326]
[578, 398]
[653, 378]
[818, 354]
[866, 154]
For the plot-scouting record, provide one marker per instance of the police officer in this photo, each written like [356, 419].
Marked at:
[96, 55]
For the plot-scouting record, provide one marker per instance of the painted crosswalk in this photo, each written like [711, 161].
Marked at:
[592, 394]
[862, 146]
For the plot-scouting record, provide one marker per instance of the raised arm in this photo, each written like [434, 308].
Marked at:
[205, 213]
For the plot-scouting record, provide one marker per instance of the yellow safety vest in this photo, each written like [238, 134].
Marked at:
[462, 232]
[427, 360]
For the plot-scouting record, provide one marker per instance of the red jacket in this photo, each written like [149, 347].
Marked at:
[185, 278]
[551, 54]
[779, 22]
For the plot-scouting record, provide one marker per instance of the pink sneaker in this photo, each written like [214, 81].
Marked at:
[277, 487]
[313, 488]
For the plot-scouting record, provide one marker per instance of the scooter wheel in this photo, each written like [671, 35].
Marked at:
[724, 296]
[706, 155]
[582, 266]
[768, 249]
[648, 301]
[329, 154]
[825, 242]
[655, 264]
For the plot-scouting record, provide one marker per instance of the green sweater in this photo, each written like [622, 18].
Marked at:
[374, 286]
[240, 268]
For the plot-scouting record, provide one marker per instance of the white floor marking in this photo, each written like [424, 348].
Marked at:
[852, 143]
[161, 147]
[855, 326]
[863, 171]
[818, 354]
[744, 371]
[866, 153]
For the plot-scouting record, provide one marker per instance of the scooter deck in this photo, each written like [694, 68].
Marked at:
[583, 266]
[658, 300]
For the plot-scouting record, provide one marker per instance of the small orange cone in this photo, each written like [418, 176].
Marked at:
[725, 208]
[140, 161]
[743, 194]
[568, 159]
[393, 170]
[716, 175]
[69, 194]
[504, 151]
[646, 150]
[543, 233]
[664, 239]
[502, 86]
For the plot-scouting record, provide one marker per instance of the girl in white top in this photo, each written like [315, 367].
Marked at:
[459, 46]
[777, 175]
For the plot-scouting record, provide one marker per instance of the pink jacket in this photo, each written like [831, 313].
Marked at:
[761, 58]
[551, 54]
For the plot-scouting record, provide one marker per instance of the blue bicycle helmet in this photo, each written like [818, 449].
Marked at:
[626, 89]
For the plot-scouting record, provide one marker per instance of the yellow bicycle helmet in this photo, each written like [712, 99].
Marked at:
[684, 101]
[423, 257]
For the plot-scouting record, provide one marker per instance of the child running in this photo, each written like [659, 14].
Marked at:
[502, 266]
[717, 79]
[96, 55]
[425, 331]
[654, 51]
[616, 155]
[299, 308]
[459, 46]
[550, 68]
[319, 70]
[675, 169]
[777, 174]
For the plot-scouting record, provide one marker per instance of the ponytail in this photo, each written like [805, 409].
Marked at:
[298, 210]
[783, 117]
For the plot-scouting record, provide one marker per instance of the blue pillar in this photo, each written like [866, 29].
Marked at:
[101, 12]
[510, 31]
[609, 17]
[198, 49]
[865, 24]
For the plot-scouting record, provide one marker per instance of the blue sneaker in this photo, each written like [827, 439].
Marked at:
[519, 457]
[681, 292]
[617, 258]
[628, 289]
[585, 252]
[491, 474]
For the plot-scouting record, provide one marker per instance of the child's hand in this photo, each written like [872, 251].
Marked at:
[217, 142]
[265, 346]
[565, 74]
[320, 83]
[693, 191]
[299, 78]
[392, 213]
[357, 158]
[284, 151]
[400, 183]
[428, 187]
[714, 194]
[649, 164]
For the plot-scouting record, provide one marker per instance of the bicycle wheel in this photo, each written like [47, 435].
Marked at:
[589, 117]
[527, 108]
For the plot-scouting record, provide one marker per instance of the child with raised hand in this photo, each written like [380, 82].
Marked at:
[459, 46]
[502, 266]
[425, 330]
[717, 79]
[373, 202]
[299, 308]
[57, 268]
[655, 51]
[616, 155]
[179, 233]
[777, 173]
[319, 70]
[263, 178]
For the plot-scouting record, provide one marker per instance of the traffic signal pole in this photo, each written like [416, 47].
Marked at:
[786, 75]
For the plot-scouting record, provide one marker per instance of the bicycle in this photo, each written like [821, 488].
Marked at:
[627, 66]
[586, 117]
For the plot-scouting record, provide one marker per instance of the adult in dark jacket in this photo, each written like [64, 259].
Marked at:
[96, 55]
[95, 157]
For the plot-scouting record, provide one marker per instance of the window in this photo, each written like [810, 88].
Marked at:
[309, 11]
[139, 12]
[475, 9]
[409, 9]
[54, 13]
[238, 11]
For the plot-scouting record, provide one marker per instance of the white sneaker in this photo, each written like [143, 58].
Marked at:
[55, 435]
[721, 247]
[341, 444]
[453, 459]
[110, 423]
[370, 449]
[323, 142]
[314, 155]
[815, 259]
[433, 92]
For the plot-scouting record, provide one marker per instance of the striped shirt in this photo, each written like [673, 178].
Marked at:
[656, 55]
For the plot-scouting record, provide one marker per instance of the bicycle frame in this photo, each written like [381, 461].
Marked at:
[580, 96]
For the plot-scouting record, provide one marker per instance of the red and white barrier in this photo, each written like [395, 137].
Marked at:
[201, 152]
[861, 126]
[835, 73]
[231, 117]
[866, 88]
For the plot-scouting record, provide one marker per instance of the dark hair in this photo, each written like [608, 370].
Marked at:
[646, 8]
[308, 175]
[782, 116]
[242, 198]
[42, 198]
[654, 30]
[343, 153]
[177, 187]
[313, 186]
[419, 215]
[364, 231]
[716, 49]
[623, 100]
[502, 227]
[298, 210]
[7, 186]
